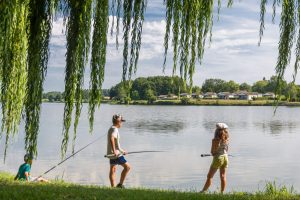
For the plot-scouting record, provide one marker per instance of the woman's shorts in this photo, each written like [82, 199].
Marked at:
[220, 162]
[119, 161]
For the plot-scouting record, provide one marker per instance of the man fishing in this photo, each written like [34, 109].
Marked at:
[114, 148]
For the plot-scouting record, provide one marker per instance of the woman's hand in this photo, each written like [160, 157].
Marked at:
[214, 146]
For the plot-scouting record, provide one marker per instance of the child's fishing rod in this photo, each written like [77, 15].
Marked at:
[131, 152]
[206, 155]
[46, 172]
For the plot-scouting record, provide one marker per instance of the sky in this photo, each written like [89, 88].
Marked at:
[234, 53]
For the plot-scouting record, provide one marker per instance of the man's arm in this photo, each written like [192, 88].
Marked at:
[113, 144]
[122, 150]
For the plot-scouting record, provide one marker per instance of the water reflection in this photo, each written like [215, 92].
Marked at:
[156, 126]
[276, 127]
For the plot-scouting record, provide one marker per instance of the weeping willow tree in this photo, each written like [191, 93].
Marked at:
[40, 21]
[78, 45]
[98, 59]
[13, 60]
[25, 30]
[289, 34]
[190, 23]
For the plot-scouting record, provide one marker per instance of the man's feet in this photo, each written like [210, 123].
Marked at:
[120, 186]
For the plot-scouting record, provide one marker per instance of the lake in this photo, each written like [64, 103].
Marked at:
[266, 146]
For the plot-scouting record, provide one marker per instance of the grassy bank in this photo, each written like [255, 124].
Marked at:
[10, 189]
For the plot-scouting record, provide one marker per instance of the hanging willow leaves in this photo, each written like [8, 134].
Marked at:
[297, 51]
[262, 19]
[133, 18]
[136, 35]
[169, 17]
[275, 4]
[78, 43]
[40, 20]
[13, 55]
[288, 23]
[127, 6]
[119, 6]
[98, 57]
[192, 21]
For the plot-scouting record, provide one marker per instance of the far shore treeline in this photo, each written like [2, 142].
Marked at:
[150, 88]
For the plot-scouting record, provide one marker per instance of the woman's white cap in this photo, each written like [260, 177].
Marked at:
[221, 126]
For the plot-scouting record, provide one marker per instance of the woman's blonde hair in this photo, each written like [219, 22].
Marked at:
[221, 134]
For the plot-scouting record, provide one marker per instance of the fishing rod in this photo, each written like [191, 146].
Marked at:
[61, 162]
[131, 152]
[206, 155]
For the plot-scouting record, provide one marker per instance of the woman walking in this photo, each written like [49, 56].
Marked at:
[219, 149]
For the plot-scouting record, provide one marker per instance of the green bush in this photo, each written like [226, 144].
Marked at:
[185, 101]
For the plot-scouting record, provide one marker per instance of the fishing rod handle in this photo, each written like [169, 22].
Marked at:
[205, 155]
[113, 155]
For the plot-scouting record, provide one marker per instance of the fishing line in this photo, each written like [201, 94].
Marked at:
[72, 155]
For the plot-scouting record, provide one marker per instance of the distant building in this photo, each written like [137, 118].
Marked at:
[269, 95]
[106, 98]
[210, 95]
[226, 95]
[197, 96]
[186, 95]
[167, 97]
[244, 95]
[172, 97]
[162, 97]
[235, 95]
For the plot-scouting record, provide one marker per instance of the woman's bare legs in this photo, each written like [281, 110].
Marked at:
[223, 178]
[208, 182]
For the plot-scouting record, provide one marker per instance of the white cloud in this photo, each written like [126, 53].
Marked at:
[233, 55]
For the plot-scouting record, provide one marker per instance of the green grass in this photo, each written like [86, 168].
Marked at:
[10, 189]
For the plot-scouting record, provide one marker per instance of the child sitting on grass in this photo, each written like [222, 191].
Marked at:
[219, 149]
[24, 171]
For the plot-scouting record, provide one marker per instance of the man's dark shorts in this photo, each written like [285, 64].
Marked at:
[119, 161]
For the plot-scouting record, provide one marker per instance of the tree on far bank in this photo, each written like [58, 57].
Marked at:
[150, 97]
[231, 86]
[292, 92]
[135, 95]
[260, 86]
[118, 92]
[245, 87]
[213, 85]
[276, 85]
[196, 89]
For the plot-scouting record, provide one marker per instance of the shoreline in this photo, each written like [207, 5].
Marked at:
[193, 102]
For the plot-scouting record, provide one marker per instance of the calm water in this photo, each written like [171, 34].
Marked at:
[266, 146]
